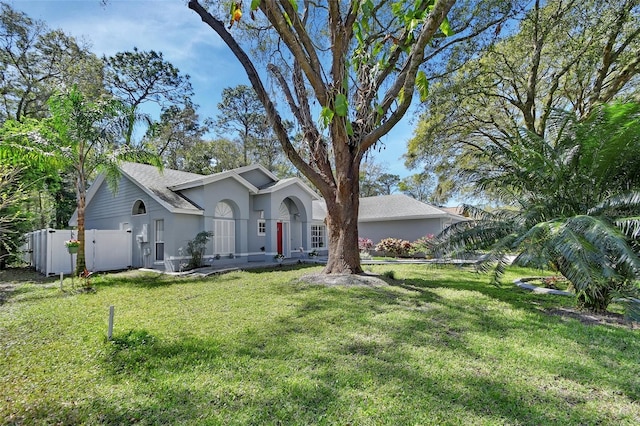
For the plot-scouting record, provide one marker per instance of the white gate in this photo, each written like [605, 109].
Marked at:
[105, 250]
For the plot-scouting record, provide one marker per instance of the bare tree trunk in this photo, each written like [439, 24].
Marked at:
[81, 263]
[342, 224]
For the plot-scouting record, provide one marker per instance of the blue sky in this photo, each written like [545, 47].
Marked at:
[170, 27]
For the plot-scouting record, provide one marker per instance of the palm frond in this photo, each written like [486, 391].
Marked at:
[617, 205]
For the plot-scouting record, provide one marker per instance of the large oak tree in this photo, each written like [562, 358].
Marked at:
[348, 72]
[562, 54]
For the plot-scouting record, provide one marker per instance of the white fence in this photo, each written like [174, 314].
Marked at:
[104, 250]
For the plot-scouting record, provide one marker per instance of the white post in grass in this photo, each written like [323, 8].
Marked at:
[61, 278]
[110, 332]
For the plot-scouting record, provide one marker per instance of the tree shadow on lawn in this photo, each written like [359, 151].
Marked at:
[151, 280]
[301, 366]
[505, 292]
[603, 343]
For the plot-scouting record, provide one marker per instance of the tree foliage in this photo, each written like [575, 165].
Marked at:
[137, 78]
[34, 61]
[419, 186]
[176, 133]
[241, 113]
[574, 198]
[375, 180]
[563, 54]
[14, 220]
[208, 157]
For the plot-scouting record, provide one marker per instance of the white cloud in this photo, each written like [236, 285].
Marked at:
[167, 26]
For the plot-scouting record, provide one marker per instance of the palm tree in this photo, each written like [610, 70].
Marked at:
[81, 135]
[571, 202]
[84, 138]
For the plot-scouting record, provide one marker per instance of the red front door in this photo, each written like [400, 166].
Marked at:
[279, 236]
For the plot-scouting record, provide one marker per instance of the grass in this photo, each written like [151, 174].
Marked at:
[437, 346]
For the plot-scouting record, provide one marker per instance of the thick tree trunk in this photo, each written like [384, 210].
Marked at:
[342, 226]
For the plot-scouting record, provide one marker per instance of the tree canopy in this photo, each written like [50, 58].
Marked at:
[562, 54]
[347, 72]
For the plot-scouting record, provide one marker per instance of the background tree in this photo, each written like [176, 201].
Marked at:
[356, 63]
[419, 186]
[208, 157]
[178, 131]
[240, 112]
[567, 54]
[34, 62]
[137, 78]
[267, 150]
[375, 180]
[388, 182]
[573, 200]
[14, 220]
[370, 173]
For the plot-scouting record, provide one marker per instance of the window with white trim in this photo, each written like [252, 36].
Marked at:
[159, 240]
[262, 227]
[138, 208]
[224, 230]
[317, 236]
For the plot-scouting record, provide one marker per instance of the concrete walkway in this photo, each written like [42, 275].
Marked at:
[523, 284]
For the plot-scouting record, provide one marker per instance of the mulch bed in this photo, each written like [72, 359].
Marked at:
[589, 318]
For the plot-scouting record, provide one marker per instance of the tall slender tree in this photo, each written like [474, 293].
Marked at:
[137, 78]
[240, 112]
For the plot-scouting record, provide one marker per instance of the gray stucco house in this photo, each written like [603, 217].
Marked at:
[394, 216]
[252, 214]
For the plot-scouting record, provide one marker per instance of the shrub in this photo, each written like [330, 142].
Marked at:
[394, 247]
[364, 244]
[423, 245]
[196, 248]
[389, 274]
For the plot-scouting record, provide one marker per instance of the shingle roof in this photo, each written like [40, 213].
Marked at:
[395, 206]
[387, 207]
[157, 181]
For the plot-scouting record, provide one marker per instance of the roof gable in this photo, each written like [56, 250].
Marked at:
[205, 180]
[156, 183]
[284, 183]
[256, 174]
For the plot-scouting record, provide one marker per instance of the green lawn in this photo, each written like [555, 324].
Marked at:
[439, 345]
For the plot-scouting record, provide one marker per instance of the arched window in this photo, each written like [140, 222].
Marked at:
[139, 208]
[224, 229]
[223, 210]
[283, 213]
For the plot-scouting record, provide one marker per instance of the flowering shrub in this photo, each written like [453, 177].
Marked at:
[278, 256]
[364, 244]
[423, 245]
[394, 247]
